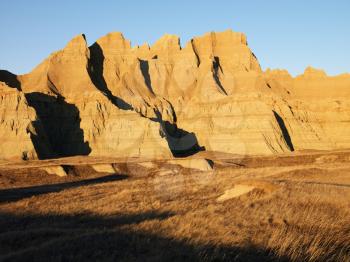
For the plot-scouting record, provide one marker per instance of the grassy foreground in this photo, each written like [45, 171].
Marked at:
[298, 209]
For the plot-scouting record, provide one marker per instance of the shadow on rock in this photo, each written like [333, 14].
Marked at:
[181, 142]
[59, 124]
[10, 79]
[96, 75]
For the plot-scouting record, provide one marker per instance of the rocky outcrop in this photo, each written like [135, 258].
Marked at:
[112, 99]
[19, 126]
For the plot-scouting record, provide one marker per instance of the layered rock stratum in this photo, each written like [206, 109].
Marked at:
[112, 99]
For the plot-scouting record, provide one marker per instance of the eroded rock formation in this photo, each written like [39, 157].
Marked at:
[112, 99]
[18, 126]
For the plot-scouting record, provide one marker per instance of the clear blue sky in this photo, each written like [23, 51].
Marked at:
[283, 34]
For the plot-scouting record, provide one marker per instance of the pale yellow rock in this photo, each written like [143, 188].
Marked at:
[104, 168]
[195, 163]
[16, 125]
[67, 74]
[236, 191]
[55, 170]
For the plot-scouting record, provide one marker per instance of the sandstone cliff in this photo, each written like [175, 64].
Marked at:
[112, 99]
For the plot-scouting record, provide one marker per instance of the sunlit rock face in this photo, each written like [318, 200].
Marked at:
[112, 99]
[19, 126]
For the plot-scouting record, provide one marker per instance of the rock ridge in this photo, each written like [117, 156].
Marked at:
[113, 99]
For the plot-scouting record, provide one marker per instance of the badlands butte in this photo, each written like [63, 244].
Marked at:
[170, 153]
[162, 101]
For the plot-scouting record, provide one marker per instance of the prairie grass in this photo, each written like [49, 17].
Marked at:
[290, 215]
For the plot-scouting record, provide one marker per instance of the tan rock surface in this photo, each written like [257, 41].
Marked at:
[159, 101]
[18, 125]
[104, 168]
[199, 164]
[55, 170]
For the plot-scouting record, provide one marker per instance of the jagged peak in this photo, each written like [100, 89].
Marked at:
[144, 46]
[114, 40]
[167, 41]
[77, 43]
[227, 36]
[314, 72]
[226, 45]
[207, 44]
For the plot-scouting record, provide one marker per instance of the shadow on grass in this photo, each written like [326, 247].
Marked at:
[85, 237]
[15, 194]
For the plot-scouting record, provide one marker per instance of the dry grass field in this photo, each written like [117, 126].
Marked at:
[276, 208]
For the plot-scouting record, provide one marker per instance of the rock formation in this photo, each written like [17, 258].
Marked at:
[19, 125]
[112, 99]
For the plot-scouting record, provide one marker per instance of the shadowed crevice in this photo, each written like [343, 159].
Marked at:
[96, 75]
[195, 52]
[144, 66]
[181, 142]
[59, 124]
[10, 79]
[216, 68]
[40, 141]
[284, 130]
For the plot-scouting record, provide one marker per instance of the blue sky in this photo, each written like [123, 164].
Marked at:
[283, 34]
